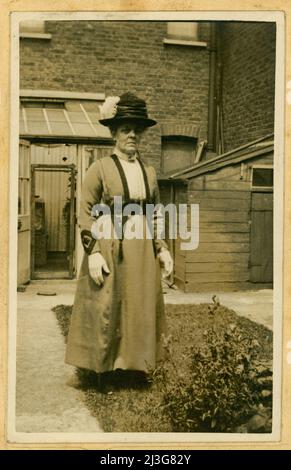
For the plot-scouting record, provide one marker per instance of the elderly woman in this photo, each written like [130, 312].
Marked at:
[118, 314]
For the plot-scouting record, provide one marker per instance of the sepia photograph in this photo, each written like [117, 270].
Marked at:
[146, 190]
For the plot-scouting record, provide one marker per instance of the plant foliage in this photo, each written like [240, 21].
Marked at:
[227, 388]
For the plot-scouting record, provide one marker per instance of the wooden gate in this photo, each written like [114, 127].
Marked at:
[261, 249]
[24, 215]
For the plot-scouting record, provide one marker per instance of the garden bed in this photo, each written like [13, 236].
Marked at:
[217, 377]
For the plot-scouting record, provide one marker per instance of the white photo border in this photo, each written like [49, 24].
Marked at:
[187, 438]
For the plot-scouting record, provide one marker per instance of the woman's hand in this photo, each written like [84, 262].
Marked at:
[97, 264]
[166, 262]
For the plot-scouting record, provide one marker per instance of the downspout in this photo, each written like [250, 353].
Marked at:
[212, 89]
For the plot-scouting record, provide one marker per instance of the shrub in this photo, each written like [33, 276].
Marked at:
[226, 390]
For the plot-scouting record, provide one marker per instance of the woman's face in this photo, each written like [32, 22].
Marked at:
[128, 136]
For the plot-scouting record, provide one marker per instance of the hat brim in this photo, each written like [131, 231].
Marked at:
[146, 122]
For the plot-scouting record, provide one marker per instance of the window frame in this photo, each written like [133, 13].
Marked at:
[262, 188]
[183, 40]
[30, 32]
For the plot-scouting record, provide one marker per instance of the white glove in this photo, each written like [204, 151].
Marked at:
[96, 264]
[166, 262]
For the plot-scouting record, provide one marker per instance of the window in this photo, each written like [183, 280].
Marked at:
[262, 177]
[178, 152]
[183, 30]
[44, 104]
[33, 29]
[183, 33]
[54, 116]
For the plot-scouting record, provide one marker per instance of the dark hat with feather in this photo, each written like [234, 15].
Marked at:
[127, 107]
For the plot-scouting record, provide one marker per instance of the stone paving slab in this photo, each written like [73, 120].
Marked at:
[45, 402]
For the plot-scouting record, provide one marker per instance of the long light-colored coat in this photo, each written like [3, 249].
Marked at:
[120, 324]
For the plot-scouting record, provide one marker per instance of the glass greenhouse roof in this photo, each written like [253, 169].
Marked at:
[63, 118]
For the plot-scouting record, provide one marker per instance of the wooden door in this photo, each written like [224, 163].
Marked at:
[261, 255]
[24, 214]
[61, 204]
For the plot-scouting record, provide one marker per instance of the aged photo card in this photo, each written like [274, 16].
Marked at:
[144, 176]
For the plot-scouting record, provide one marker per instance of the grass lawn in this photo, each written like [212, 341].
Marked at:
[142, 409]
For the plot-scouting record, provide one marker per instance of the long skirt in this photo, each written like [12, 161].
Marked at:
[121, 324]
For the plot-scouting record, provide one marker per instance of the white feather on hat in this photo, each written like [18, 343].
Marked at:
[109, 108]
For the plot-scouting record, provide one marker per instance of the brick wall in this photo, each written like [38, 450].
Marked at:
[248, 63]
[113, 57]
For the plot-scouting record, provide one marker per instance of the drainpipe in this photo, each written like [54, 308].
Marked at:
[212, 87]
